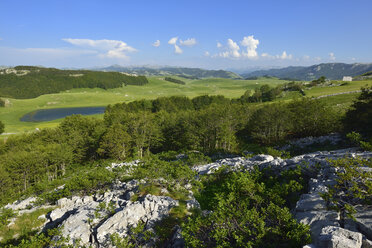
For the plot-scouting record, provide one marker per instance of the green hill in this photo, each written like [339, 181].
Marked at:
[191, 73]
[29, 82]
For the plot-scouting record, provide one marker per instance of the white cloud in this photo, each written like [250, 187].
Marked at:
[177, 49]
[232, 49]
[107, 48]
[285, 55]
[332, 56]
[266, 55]
[156, 43]
[306, 57]
[251, 43]
[206, 53]
[189, 42]
[173, 41]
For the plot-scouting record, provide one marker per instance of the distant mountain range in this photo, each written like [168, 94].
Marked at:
[192, 73]
[333, 71]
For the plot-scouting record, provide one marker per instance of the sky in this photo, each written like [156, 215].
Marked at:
[236, 34]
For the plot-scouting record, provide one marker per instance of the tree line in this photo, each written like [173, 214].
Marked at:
[39, 81]
[174, 80]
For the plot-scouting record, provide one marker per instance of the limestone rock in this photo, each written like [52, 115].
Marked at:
[24, 204]
[149, 210]
[337, 237]
[78, 226]
[310, 202]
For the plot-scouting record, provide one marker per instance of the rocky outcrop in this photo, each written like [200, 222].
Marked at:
[148, 210]
[332, 139]
[308, 162]
[91, 220]
[27, 203]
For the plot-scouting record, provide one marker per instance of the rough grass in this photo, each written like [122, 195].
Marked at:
[23, 226]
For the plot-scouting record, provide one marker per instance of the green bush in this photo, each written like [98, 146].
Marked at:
[249, 210]
[359, 117]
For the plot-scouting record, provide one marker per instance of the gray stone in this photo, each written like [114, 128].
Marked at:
[78, 226]
[366, 243]
[149, 210]
[64, 202]
[128, 195]
[193, 203]
[24, 204]
[363, 219]
[262, 158]
[57, 213]
[337, 237]
[310, 202]
[317, 220]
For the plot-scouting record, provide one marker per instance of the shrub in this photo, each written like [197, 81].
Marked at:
[247, 212]
[359, 117]
[353, 186]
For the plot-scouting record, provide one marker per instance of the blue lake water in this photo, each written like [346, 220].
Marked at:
[57, 113]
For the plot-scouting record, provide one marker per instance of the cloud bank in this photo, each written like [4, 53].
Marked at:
[107, 48]
[189, 42]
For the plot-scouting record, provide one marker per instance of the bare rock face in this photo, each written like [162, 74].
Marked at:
[337, 237]
[149, 210]
[78, 227]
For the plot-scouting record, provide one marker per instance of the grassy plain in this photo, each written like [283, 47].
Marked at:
[156, 87]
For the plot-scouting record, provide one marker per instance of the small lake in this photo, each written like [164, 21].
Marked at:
[57, 113]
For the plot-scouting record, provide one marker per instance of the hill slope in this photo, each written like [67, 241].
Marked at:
[29, 81]
[333, 71]
[193, 73]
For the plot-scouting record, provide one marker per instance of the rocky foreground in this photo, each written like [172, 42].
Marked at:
[91, 220]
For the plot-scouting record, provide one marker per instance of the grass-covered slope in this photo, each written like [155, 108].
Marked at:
[29, 82]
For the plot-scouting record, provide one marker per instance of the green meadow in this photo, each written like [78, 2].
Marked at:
[157, 87]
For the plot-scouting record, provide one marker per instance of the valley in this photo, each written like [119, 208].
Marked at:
[157, 87]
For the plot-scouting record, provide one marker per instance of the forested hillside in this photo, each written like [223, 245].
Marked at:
[29, 82]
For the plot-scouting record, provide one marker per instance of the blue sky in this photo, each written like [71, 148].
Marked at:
[208, 34]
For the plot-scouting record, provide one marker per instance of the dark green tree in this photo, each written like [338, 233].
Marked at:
[2, 127]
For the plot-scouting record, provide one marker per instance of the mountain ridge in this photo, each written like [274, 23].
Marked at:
[171, 71]
[333, 71]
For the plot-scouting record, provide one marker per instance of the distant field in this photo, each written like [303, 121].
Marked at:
[156, 87]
